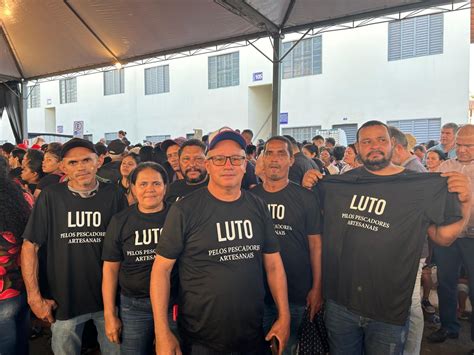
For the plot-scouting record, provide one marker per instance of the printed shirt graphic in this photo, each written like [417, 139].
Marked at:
[296, 214]
[11, 282]
[219, 247]
[72, 229]
[374, 229]
[131, 238]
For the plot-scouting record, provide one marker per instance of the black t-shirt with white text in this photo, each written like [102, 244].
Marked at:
[296, 214]
[72, 229]
[131, 239]
[373, 235]
[219, 246]
[180, 188]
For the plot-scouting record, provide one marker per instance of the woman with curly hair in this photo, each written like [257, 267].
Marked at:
[14, 314]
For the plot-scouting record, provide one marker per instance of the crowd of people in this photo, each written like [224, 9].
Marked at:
[221, 246]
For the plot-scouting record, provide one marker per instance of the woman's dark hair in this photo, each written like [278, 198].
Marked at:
[148, 165]
[442, 155]
[338, 152]
[353, 147]
[431, 143]
[54, 149]
[14, 210]
[18, 153]
[35, 164]
[34, 154]
[329, 150]
[312, 149]
[135, 157]
[146, 153]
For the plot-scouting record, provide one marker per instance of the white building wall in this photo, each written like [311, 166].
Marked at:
[357, 83]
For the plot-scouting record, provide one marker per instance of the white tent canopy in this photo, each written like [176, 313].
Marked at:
[52, 37]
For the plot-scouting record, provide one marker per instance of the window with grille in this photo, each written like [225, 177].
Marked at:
[424, 129]
[223, 70]
[302, 133]
[109, 137]
[349, 129]
[68, 90]
[415, 37]
[304, 59]
[157, 138]
[114, 82]
[157, 80]
[34, 96]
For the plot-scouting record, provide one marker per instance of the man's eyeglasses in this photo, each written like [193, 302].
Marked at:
[220, 160]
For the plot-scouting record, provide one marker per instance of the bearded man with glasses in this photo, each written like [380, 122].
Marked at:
[223, 240]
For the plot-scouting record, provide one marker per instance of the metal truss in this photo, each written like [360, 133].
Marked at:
[308, 32]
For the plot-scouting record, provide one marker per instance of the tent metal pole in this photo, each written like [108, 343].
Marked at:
[276, 87]
[24, 109]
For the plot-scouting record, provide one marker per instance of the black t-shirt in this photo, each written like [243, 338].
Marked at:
[300, 166]
[110, 171]
[374, 229]
[72, 229]
[131, 238]
[296, 214]
[180, 188]
[48, 180]
[219, 246]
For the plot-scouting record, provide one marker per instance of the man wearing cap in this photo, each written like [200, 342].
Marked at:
[69, 220]
[171, 149]
[111, 171]
[223, 239]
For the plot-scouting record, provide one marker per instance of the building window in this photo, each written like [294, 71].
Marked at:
[34, 97]
[304, 59]
[223, 70]
[68, 90]
[109, 137]
[302, 133]
[424, 129]
[114, 82]
[415, 37]
[88, 137]
[157, 80]
[157, 138]
[349, 129]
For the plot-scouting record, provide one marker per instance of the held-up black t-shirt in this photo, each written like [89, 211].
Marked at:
[47, 180]
[131, 238]
[219, 246]
[296, 214]
[179, 188]
[72, 229]
[300, 166]
[374, 229]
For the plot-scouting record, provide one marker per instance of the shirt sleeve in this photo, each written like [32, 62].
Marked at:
[112, 250]
[443, 207]
[171, 242]
[313, 214]
[36, 230]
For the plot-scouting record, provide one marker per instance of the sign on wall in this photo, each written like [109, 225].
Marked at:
[283, 117]
[257, 76]
[78, 129]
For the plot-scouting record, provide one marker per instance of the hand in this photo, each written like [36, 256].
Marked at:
[43, 308]
[167, 344]
[280, 330]
[113, 328]
[460, 184]
[314, 301]
[310, 178]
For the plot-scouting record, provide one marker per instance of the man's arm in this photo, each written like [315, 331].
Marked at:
[166, 342]
[276, 278]
[41, 307]
[113, 325]
[446, 235]
[314, 300]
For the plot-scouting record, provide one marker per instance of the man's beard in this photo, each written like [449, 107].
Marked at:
[201, 177]
[379, 164]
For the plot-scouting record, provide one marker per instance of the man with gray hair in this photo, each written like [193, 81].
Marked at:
[401, 152]
[447, 140]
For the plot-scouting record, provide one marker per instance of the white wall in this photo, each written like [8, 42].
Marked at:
[357, 83]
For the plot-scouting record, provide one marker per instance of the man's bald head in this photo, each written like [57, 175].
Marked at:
[465, 143]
